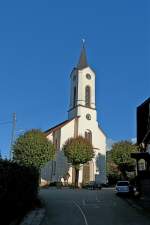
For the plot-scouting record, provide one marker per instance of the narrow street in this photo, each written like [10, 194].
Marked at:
[87, 207]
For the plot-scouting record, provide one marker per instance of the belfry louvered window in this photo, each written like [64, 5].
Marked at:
[87, 96]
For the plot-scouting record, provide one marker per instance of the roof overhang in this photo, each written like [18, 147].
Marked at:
[140, 155]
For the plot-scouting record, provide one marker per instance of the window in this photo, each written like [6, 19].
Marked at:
[74, 97]
[87, 96]
[141, 164]
[122, 183]
[88, 136]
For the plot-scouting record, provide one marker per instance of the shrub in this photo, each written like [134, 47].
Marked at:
[113, 178]
[18, 189]
[33, 149]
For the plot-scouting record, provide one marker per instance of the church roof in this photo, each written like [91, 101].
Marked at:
[58, 126]
[52, 129]
[83, 59]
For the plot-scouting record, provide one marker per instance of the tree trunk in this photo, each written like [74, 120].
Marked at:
[124, 174]
[76, 177]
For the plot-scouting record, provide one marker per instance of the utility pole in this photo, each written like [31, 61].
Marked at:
[13, 134]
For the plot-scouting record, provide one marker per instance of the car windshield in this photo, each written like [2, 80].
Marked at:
[123, 183]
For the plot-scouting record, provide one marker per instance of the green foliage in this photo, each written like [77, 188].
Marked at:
[121, 153]
[33, 149]
[18, 189]
[120, 156]
[113, 173]
[78, 151]
[111, 167]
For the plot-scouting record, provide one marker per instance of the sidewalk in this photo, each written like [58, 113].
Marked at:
[35, 217]
[142, 203]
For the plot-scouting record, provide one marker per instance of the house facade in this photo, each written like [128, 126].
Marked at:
[143, 135]
[143, 141]
[82, 121]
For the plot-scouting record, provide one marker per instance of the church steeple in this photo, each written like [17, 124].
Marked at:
[82, 97]
[83, 59]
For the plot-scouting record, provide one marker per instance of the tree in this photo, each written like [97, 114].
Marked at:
[121, 156]
[33, 149]
[113, 173]
[78, 151]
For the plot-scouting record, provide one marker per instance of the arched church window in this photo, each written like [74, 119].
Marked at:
[88, 136]
[74, 96]
[87, 96]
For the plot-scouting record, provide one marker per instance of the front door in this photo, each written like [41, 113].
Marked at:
[86, 173]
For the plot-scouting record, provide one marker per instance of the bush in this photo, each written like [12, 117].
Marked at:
[18, 189]
[57, 184]
[53, 184]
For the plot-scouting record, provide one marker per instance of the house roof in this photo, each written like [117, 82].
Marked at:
[140, 155]
[145, 102]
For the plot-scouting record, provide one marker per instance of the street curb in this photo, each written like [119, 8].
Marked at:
[35, 217]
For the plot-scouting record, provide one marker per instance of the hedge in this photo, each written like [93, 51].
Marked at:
[18, 190]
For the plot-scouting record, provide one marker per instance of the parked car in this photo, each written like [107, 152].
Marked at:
[93, 185]
[123, 187]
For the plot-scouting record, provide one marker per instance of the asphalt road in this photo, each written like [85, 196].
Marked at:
[88, 207]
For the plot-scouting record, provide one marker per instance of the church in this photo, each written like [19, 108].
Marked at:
[82, 120]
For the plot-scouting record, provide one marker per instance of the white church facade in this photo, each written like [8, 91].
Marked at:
[82, 120]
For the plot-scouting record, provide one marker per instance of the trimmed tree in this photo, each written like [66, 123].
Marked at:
[33, 149]
[78, 151]
[121, 156]
[113, 173]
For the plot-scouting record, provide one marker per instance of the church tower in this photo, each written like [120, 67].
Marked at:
[82, 120]
[82, 97]
[83, 111]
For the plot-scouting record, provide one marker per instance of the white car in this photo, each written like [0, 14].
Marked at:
[122, 187]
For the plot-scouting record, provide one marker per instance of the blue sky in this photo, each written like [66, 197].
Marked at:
[40, 43]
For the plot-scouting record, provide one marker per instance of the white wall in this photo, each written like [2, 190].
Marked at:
[98, 171]
[67, 131]
[83, 82]
[99, 144]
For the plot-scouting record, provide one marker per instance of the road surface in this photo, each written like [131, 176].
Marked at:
[88, 207]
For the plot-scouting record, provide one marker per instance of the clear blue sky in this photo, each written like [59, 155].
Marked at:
[40, 43]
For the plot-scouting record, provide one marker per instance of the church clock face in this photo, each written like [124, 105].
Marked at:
[88, 116]
[88, 76]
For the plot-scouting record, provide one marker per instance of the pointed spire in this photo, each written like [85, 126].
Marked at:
[82, 60]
